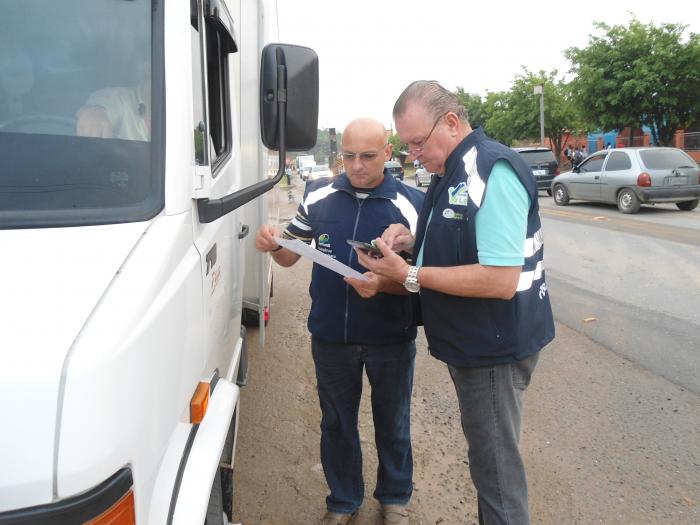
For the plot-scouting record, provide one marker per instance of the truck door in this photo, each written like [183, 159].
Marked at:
[217, 173]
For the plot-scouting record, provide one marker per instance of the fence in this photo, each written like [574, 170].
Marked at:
[691, 141]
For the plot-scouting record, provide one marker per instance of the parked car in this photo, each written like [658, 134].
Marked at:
[319, 172]
[630, 177]
[543, 164]
[394, 168]
[423, 177]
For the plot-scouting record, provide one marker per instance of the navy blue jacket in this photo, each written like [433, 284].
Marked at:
[331, 214]
[465, 331]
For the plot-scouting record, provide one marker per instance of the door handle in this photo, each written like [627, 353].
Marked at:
[245, 229]
[596, 177]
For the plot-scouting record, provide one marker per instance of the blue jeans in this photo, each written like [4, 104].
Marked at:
[339, 379]
[490, 401]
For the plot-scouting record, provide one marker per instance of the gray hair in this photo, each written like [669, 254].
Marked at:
[433, 97]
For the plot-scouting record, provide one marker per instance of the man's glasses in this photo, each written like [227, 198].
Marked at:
[365, 156]
[417, 149]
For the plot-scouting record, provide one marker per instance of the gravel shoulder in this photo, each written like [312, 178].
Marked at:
[604, 441]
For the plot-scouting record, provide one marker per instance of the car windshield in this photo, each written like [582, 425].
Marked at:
[75, 113]
[537, 157]
[659, 159]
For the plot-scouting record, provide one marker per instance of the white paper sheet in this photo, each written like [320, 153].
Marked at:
[321, 258]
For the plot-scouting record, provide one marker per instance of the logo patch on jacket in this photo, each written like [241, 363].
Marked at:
[449, 213]
[458, 196]
[324, 240]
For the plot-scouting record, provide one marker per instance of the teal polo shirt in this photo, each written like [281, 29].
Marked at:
[501, 223]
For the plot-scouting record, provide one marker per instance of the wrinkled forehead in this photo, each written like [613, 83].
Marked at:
[414, 122]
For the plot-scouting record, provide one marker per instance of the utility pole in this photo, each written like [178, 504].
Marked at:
[333, 148]
[539, 90]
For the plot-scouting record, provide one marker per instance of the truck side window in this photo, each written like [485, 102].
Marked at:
[218, 89]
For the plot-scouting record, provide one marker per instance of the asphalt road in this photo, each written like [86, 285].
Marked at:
[629, 282]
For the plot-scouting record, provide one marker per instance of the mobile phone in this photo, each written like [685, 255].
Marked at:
[366, 247]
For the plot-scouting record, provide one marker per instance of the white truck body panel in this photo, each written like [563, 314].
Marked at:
[31, 363]
[108, 329]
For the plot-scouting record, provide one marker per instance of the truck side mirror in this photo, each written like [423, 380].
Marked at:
[288, 118]
[300, 64]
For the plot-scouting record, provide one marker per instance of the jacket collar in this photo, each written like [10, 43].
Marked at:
[455, 157]
[387, 189]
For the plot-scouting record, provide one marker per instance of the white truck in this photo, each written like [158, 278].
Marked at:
[304, 164]
[134, 140]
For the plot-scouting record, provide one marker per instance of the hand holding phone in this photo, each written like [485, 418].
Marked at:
[367, 247]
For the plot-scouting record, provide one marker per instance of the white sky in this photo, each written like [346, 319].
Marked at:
[370, 50]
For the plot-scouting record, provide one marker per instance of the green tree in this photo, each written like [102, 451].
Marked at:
[322, 150]
[639, 74]
[475, 107]
[400, 150]
[560, 114]
[499, 117]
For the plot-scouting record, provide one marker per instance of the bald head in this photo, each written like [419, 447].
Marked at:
[365, 150]
[366, 129]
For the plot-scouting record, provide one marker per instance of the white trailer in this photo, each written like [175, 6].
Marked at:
[134, 140]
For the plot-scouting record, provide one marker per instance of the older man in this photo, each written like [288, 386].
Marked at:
[351, 333]
[479, 271]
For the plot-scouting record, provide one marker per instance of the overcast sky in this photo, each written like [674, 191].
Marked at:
[370, 50]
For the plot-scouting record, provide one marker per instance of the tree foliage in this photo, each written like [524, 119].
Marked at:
[322, 150]
[513, 116]
[638, 74]
[399, 148]
[499, 119]
[560, 114]
[475, 107]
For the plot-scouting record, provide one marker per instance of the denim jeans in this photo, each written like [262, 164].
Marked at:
[490, 402]
[339, 378]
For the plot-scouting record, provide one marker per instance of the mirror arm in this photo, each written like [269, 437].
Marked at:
[210, 210]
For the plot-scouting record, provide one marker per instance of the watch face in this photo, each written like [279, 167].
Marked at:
[412, 286]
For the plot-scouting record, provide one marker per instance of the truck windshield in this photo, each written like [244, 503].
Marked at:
[78, 114]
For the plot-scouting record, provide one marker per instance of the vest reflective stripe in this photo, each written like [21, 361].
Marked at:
[527, 278]
[533, 244]
[475, 184]
[407, 210]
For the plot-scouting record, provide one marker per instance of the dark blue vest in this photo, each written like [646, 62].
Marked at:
[470, 332]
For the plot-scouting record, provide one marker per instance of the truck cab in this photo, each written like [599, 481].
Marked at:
[136, 138]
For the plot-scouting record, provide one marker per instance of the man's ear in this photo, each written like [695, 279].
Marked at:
[388, 150]
[452, 120]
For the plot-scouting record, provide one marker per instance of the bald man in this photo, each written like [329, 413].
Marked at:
[356, 325]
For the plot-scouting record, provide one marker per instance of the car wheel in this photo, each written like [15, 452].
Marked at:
[627, 201]
[688, 205]
[561, 196]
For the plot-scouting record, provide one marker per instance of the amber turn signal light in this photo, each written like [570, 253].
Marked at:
[199, 403]
[121, 513]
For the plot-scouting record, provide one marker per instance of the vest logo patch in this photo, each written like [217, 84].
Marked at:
[458, 196]
[449, 213]
[324, 240]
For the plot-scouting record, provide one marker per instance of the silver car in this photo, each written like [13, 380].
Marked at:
[630, 177]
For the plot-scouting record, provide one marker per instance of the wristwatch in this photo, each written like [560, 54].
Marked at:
[411, 283]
